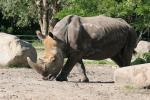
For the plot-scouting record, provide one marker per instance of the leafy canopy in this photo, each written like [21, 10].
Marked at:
[136, 12]
[21, 11]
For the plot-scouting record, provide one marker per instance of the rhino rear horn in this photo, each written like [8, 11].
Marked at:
[36, 66]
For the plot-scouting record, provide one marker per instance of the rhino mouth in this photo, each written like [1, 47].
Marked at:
[42, 68]
[49, 77]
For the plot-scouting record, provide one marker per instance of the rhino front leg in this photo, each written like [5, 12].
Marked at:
[80, 66]
[66, 69]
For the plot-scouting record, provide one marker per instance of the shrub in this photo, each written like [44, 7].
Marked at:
[145, 58]
[138, 61]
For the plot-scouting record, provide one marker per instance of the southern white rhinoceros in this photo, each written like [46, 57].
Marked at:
[79, 38]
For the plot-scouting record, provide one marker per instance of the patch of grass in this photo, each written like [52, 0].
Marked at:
[138, 61]
[20, 65]
[98, 62]
[146, 56]
[129, 87]
[95, 61]
[37, 43]
[142, 59]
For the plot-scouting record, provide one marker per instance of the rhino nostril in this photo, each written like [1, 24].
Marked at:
[45, 73]
[45, 78]
[49, 77]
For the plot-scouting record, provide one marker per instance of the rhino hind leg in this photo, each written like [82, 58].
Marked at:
[118, 60]
[80, 66]
[123, 58]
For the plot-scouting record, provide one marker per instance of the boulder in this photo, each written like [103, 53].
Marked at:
[142, 47]
[13, 51]
[137, 75]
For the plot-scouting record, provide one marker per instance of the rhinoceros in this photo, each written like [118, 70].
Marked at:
[78, 38]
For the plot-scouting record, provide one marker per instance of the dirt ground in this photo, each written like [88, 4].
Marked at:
[26, 84]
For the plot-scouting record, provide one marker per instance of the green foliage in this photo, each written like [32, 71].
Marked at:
[37, 43]
[21, 11]
[78, 7]
[145, 58]
[97, 62]
[7, 30]
[135, 12]
[138, 61]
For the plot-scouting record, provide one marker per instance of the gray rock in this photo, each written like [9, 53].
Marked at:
[143, 46]
[137, 75]
[13, 51]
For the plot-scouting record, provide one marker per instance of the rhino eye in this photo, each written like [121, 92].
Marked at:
[50, 34]
[54, 60]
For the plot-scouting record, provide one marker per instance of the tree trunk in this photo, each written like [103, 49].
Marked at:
[45, 17]
[45, 12]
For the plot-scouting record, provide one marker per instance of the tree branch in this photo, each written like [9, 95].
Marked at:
[45, 12]
[40, 13]
[45, 17]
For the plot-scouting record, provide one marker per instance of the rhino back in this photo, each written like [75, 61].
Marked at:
[60, 28]
[101, 36]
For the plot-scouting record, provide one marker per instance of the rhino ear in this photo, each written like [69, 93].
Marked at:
[50, 34]
[40, 35]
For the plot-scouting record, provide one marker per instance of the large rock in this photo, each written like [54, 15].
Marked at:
[143, 46]
[137, 75]
[13, 51]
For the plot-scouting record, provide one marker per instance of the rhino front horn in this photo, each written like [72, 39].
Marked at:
[36, 66]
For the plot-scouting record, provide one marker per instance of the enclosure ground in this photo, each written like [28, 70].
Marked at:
[26, 84]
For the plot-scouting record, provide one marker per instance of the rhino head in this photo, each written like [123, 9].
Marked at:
[51, 63]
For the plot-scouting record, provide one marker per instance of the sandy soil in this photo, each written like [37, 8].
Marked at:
[26, 84]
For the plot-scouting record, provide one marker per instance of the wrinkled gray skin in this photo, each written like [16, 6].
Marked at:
[93, 38]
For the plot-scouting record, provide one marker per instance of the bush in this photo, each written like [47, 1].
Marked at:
[145, 58]
[6, 30]
[138, 61]
[37, 43]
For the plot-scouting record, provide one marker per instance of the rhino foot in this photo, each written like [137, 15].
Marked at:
[61, 78]
[84, 80]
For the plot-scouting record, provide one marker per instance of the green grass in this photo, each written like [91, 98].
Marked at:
[98, 62]
[141, 59]
[37, 43]
[130, 87]
[20, 65]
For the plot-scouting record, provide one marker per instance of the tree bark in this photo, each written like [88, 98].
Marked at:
[45, 12]
[45, 17]
[55, 6]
